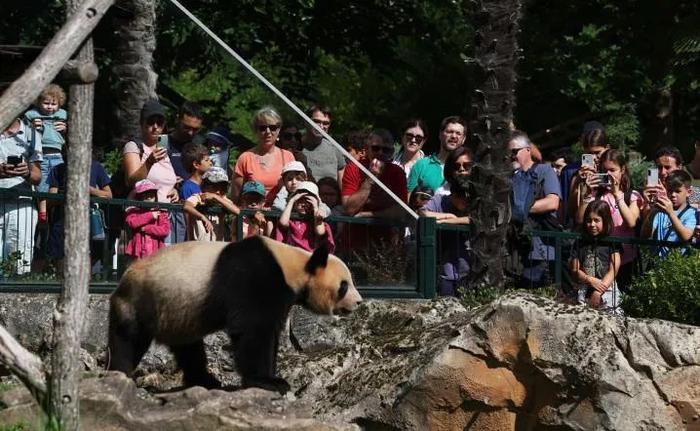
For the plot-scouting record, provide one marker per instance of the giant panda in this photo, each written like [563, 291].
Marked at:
[189, 290]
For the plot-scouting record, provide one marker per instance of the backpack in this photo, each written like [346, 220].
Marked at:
[120, 190]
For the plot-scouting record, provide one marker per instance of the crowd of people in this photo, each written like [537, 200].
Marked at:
[306, 179]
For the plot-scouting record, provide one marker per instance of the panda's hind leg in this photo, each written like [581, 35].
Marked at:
[192, 359]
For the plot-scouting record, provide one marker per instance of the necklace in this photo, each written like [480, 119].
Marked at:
[265, 159]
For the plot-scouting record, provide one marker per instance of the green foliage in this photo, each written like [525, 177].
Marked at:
[472, 298]
[670, 291]
[637, 169]
[112, 161]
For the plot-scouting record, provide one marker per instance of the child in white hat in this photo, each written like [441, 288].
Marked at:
[308, 231]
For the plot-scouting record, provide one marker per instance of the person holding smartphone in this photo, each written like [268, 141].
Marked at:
[20, 169]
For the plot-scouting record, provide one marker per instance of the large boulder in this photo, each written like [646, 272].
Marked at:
[521, 362]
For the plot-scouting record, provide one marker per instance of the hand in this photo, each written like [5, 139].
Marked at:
[364, 214]
[173, 196]
[18, 170]
[376, 166]
[38, 123]
[664, 204]
[592, 181]
[155, 214]
[615, 186]
[208, 196]
[157, 155]
[208, 226]
[60, 126]
[597, 284]
[259, 219]
[585, 171]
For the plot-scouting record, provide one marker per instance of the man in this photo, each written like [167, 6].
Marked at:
[669, 159]
[189, 122]
[535, 195]
[322, 158]
[20, 168]
[428, 170]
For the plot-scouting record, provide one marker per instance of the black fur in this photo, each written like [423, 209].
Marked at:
[248, 297]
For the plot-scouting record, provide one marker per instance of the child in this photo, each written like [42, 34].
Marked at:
[354, 143]
[672, 218]
[209, 227]
[196, 161]
[48, 117]
[253, 197]
[594, 265]
[149, 226]
[293, 174]
[311, 231]
[625, 205]
[329, 192]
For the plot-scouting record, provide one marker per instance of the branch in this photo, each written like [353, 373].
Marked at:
[23, 364]
[44, 69]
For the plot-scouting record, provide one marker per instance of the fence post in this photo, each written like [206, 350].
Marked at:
[427, 257]
[557, 260]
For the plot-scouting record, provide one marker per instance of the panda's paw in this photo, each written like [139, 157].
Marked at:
[276, 384]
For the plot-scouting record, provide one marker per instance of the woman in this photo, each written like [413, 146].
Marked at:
[147, 160]
[265, 161]
[412, 140]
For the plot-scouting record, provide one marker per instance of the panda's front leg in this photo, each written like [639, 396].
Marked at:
[255, 353]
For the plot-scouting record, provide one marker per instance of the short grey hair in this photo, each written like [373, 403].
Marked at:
[266, 112]
[520, 139]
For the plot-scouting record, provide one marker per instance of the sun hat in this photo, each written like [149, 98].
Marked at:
[143, 186]
[293, 166]
[215, 175]
[254, 187]
[309, 187]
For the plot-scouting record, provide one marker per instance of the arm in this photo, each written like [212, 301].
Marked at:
[341, 171]
[161, 228]
[684, 233]
[137, 219]
[190, 210]
[134, 169]
[104, 192]
[630, 213]
[35, 173]
[327, 238]
[456, 220]
[236, 186]
[609, 277]
[228, 204]
[283, 221]
[546, 204]
[648, 224]
[353, 203]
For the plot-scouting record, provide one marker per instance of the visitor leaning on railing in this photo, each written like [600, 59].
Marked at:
[20, 168]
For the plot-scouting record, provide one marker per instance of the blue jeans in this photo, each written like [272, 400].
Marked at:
[49, 162]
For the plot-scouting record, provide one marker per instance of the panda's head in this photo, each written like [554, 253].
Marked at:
[329, 288]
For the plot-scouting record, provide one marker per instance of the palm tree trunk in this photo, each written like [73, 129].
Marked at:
[496, 55]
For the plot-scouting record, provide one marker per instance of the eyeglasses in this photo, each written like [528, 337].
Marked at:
[263, 127]
[514, 151]
[321, 122]
[467, 166]
[410, 136]
[381, 148]
[289, 136]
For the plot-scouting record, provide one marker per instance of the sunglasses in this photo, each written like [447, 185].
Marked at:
[158, 121]
[467, 166]
[289, 136]
[381, 148]
[322, 122]
[410, 136]
[273, 127]
[514, 152]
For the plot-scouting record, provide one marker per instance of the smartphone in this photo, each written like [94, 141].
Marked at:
[162, 141]
[603, 180]
[14, 160]
[588, 160]
[652, 177]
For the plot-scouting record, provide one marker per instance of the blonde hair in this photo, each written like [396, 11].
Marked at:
[266, 112]
[55, 91]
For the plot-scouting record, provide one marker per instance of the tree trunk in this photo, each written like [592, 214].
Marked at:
[132, 69]
[71, 307]
[496, 54]
[44, 69]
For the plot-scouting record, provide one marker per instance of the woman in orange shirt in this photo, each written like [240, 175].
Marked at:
[265, 161]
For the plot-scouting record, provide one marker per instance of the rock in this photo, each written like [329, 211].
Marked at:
[521, 362]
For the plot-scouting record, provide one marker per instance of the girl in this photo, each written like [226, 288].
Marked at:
[413, 135]
[311, 231]
[50, 119]
[613, 186]
[149, 226]
[594, 265]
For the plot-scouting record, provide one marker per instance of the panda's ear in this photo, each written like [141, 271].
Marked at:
[318, 259]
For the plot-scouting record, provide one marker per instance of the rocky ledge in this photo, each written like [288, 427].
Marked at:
[521, 362]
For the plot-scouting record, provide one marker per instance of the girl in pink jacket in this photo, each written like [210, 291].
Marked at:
[149, 226]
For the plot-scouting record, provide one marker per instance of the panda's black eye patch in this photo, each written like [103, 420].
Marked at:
[343, 289]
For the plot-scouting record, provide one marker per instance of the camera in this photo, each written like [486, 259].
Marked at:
[603, 180]
[14, 160]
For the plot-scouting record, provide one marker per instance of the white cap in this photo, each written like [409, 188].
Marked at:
[309, 187]
[294, 166]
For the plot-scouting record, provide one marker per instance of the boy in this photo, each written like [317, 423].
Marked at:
[672, 218]
[293, 174]
[253, 197]
[210, 227]
[195, 159]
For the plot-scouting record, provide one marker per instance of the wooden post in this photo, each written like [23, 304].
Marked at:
[64, 382]
[44, 69]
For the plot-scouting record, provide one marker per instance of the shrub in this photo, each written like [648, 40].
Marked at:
[669, 291]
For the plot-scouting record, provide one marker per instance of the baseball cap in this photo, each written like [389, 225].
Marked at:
[143, 186]
[309, 187]
[151, 108]
[294, 166]
[215, 175]
[220, 135]
[254, 187]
